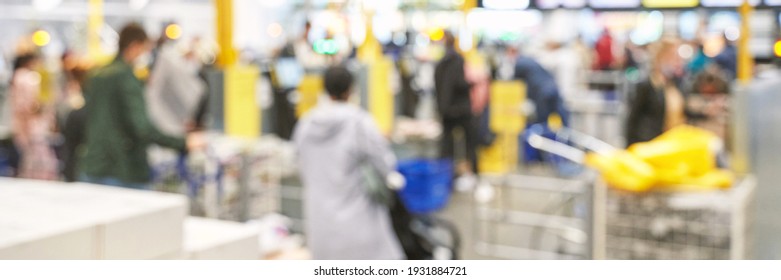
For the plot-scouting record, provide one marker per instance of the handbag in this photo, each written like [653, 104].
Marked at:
[377, 186]
[376, 183]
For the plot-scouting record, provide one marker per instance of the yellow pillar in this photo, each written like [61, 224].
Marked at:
[95, 23]
[745, 60]
[309, 89]
[371, 50]
[469, 5]
[465, 9]
[242, 113]
[224, 23]
[381, 102]
[740, 146]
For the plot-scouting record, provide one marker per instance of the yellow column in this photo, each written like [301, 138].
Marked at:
[469, 5]
[94, 25]
[370, 50]
[309, 89]
[740, 146]
[465, 9]
[745, 60]
[381, 102]
[242, 113]
[224, 22]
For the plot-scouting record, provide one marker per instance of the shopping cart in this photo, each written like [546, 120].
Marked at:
[552, 207]
[662, 224]
[233, 179]
[564, 149]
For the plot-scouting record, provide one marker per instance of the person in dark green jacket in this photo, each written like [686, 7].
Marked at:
[118, 129]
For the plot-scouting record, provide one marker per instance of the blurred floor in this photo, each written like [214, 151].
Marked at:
[462, 216]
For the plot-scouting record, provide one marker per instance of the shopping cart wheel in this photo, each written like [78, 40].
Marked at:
[441, 235]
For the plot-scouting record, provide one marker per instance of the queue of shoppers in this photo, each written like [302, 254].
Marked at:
[97, 125]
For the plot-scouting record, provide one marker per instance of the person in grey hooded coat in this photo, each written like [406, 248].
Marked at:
[334, 142]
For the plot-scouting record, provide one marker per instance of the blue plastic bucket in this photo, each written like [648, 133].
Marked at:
[429, 184]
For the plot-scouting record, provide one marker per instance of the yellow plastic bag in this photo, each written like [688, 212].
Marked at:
[671, 175]
[623, 170]
[717, 178]
[682, 159]
[684, 149]
[713, 180]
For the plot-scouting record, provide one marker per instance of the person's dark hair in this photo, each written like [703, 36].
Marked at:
[338, 81]
[79, 74]
[24, 59]
[450, 39]
[131, 33]
[66, 54]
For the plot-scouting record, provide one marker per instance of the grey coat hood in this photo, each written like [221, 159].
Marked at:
[342, 221]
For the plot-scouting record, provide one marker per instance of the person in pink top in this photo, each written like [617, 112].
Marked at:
[32, 121]
[479, 77]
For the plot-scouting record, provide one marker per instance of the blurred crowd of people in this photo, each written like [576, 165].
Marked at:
[98, 121]
[670, 76]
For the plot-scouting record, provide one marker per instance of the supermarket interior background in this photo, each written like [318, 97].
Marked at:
[393, 129]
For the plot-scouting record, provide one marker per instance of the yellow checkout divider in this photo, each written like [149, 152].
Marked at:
[309, 91]
[242, 113]
[381, 102]
[507, 121]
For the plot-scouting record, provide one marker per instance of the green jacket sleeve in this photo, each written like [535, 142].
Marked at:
[138, 119]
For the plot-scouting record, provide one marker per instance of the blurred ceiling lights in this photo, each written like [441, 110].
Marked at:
[173, 31]
[138, 4]
[777, 48]
[686, 51]
[272, 3]
[506, 4]
[274, 30]
[41, 38]
[46, 5]
[436, 34]
[732, 33]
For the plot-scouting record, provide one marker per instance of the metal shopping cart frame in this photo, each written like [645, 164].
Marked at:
[237, 183]
[581, 188]
[710, 225]
[489, 214]
[713, 224]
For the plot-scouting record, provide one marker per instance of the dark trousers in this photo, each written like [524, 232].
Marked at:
[552, 103]
[469, 125]
[9, 158]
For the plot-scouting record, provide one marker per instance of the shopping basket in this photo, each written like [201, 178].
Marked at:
[429, 184]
